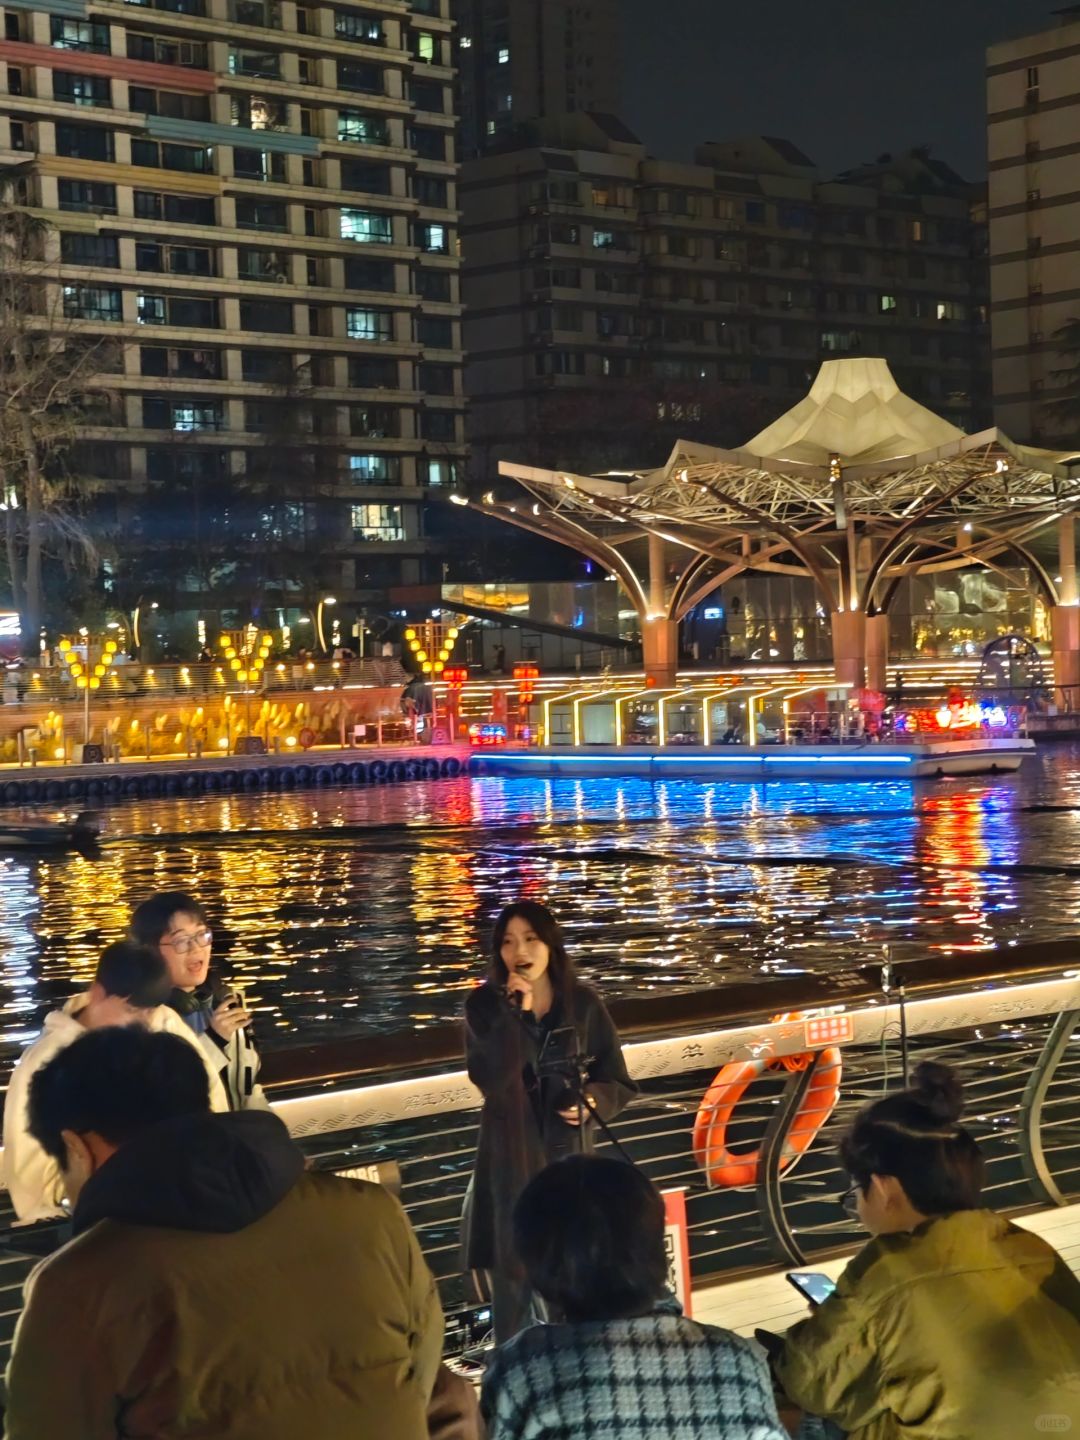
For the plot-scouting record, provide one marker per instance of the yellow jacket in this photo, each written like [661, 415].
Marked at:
[968, 1328]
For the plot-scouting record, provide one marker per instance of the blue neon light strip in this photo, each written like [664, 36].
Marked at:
[705, 759]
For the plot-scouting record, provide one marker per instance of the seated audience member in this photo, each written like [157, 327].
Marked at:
[175, 925]
[621, 1359]
[214, 1286]
[130, 987]
[952, 1323]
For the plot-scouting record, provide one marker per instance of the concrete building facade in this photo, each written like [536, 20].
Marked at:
[256, 200]
[1033, 101]
[526, 60]
[593, 270]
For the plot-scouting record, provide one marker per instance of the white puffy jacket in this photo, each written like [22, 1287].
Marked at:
[32, 1176]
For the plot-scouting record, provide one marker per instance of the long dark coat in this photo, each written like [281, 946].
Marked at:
[520, 1065]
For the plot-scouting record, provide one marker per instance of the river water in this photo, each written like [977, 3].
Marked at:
[369, 910]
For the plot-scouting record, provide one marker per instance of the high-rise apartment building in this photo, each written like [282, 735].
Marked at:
[613, 300]
[1033, 94]
[526, 60]
[255, 200]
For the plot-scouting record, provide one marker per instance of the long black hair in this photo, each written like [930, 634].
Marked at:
[916, 1137]
[546, 928]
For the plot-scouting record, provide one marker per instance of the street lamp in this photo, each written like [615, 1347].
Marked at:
[326, 600]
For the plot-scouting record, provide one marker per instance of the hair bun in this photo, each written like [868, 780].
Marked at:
[938, 1088]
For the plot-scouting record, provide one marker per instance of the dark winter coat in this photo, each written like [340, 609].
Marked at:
[520, 1065]
[215, 1288]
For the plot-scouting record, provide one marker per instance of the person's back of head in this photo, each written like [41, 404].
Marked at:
[109, 1088]
[134, 973]
[590, 1233]
[915, 1137]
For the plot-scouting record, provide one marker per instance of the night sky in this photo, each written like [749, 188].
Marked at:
[844, 79]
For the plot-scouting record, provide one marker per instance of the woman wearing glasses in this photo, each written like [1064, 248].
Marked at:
[952, 1323]
[174, 924]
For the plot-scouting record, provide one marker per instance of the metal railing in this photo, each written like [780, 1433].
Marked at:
[1013, 1031]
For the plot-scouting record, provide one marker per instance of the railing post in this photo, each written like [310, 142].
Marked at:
[1037, 1172]
[770, 1201]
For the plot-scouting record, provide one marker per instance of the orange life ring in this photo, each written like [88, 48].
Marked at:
[730, 1084]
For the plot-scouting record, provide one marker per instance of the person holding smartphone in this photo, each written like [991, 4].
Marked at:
[532, 1032]
[174, 924]
[952, 1323]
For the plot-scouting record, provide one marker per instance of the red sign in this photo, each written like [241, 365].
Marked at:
[677, 1246]
[456, 675]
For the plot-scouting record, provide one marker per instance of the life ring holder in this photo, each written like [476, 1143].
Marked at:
[726, 1170]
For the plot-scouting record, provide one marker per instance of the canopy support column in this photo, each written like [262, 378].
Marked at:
[849, 647]
[877, 653]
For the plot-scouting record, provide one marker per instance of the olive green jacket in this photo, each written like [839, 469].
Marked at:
[968, 1328]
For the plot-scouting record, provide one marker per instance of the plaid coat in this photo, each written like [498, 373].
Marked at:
[657, 1377]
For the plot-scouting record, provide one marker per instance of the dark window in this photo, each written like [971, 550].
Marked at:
[181, 209]
[430, 191]
[90, 250]
[91, 196]
[252, 214]
[258, 164]
[437, 425]
[433, 284]
[176, 463]
[355, 75]
[164, 51]
[169, 103]
[436, 379]
[428, 95]
[428, 144]
[194, 160]
[268, 367]
[368, 372]
[192, 312]
[372, 179]
[755, 212]
[90, 35]
[362, 274]
[435, 332]
[84, 142]
[81, 89]
[375, 422]
[266, 64]
[275, 316]
[153, 360]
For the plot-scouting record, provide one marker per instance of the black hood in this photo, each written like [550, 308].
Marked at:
[209, 1172]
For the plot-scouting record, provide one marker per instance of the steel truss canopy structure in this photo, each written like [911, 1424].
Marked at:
[855, 487]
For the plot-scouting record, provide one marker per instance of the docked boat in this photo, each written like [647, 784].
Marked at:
[78, 833]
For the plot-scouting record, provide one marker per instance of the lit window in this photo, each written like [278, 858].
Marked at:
[491, 127]
[466, 42]
[375, 325]
[377, 522]
[886, 304]
[375, 469]
[504, 56]
[367, 227]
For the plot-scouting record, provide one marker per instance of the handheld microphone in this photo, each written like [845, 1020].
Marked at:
[515, 997]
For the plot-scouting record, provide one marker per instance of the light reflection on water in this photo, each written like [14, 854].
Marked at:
[368, 910]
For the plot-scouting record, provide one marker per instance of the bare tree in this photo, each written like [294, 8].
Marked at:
[47, 394]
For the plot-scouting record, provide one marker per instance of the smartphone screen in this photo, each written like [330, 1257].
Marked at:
[814, 1286]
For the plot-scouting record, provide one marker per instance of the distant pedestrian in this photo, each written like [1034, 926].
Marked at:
[499, 666]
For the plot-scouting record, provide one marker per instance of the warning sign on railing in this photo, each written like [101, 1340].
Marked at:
[830, 1030]
[677, 1246]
